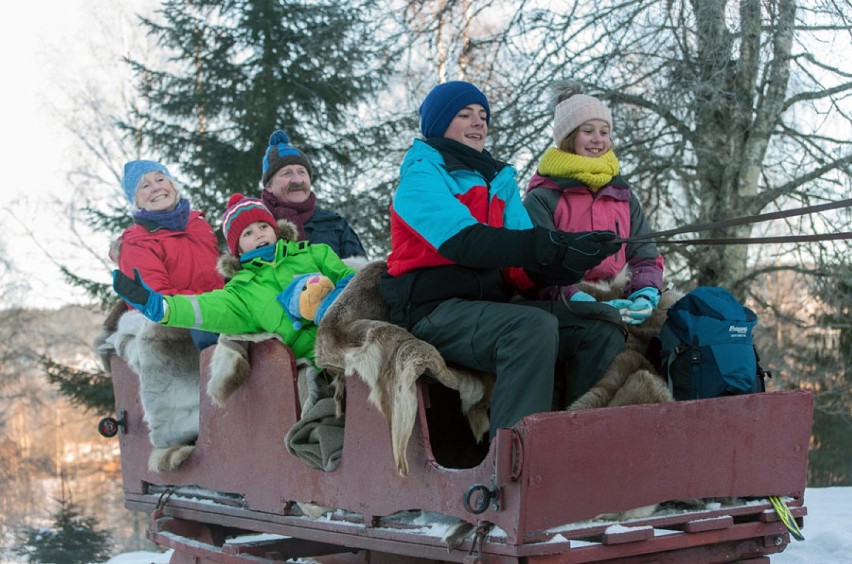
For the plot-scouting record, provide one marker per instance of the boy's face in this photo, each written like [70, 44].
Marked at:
[291, 184]
[469, 127]
[256, 235]
[156, 193]
[592, 139]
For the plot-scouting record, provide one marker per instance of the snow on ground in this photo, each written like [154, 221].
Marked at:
[141, 558]
[827, 530]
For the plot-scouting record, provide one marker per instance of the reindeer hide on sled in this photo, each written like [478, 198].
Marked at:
[631, 378]
[167, 361]
[356, 338]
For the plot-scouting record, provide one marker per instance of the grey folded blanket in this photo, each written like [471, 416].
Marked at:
[317, 438]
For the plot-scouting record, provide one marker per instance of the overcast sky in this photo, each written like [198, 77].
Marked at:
[45, 48]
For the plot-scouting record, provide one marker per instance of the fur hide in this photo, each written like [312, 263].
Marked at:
[356, 338]
[229, 369]
[145, 346]
[631, 378]
[166, 361]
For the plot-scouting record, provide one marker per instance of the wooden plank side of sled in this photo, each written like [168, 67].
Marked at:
[240, 449]
[551, 468]
[614, 459]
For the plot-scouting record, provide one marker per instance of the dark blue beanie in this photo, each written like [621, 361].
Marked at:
[443, 103]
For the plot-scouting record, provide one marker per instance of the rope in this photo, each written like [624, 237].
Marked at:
[761, 240]
[663, 237]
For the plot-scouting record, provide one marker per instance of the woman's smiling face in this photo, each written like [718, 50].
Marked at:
[156, 193]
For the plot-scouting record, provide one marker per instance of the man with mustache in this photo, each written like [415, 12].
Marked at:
[287, 177]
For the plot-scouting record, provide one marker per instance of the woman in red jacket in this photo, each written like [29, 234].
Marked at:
[172, 246]
[175, 251]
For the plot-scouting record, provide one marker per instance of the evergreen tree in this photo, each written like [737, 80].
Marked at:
[90, 390]
[240, 69]
[71, 539]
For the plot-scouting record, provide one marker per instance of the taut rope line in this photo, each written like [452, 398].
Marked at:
[664, 237]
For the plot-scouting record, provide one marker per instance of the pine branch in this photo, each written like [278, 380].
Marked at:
[90, 390]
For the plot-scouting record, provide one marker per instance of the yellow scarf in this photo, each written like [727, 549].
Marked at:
[594, 172]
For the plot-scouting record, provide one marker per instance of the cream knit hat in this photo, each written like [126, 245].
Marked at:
[572, 112]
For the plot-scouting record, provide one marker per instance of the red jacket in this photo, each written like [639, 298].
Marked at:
[173, 262]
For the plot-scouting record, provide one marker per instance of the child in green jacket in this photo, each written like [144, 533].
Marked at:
[263, 294]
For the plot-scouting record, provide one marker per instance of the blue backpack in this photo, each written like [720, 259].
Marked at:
[706, 348]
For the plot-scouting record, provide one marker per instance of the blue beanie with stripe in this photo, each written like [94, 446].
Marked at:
[281, 153]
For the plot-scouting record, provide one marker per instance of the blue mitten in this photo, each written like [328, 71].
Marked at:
[649, 292]
[643, 302]
[619, 304]
[138, 294]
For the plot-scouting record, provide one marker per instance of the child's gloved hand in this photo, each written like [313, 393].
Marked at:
[580, 296]
[138, 294]
[642, 304]
[649, 292]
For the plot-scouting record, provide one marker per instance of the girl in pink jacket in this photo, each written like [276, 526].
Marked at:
[578, 188]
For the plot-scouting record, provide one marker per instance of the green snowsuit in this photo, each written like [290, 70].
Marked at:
[248, 302]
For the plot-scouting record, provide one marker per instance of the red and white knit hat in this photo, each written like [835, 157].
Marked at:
[243, 211]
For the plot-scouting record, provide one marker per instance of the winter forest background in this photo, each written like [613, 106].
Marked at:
[722, 109]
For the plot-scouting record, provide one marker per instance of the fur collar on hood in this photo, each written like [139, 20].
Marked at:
[228, 265]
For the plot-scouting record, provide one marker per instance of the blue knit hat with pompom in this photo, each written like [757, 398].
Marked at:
[280, 154]
[443, 103]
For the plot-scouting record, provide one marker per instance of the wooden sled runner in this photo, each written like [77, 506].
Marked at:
[531, 496]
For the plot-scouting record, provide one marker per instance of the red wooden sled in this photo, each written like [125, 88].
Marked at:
[539, 485]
